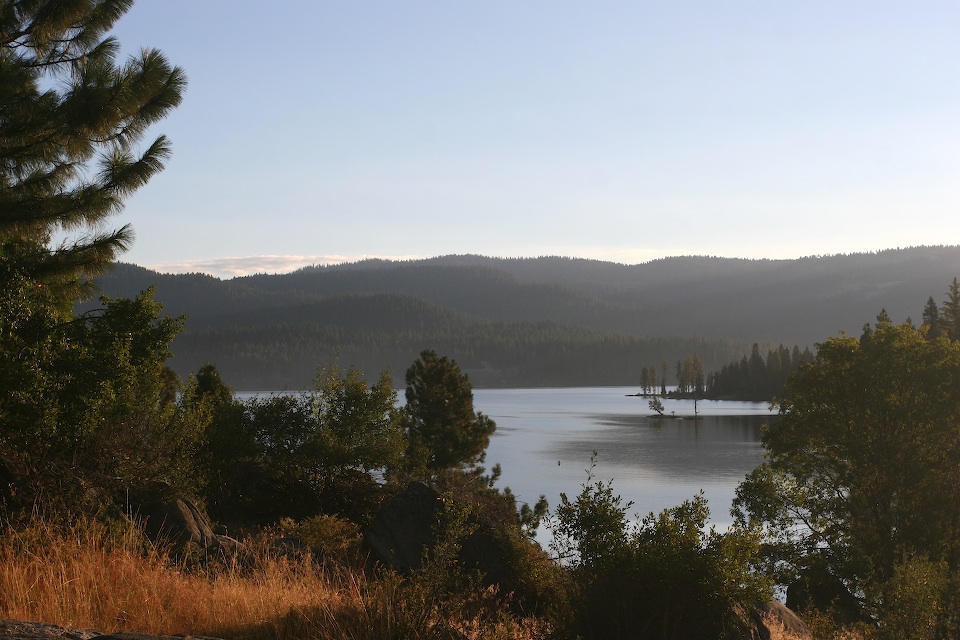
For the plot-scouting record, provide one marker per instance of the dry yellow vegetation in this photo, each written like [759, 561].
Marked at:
[89, 577]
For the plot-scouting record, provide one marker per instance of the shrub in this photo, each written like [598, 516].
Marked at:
[666, 577]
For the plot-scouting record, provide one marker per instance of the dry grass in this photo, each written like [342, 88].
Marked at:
[92, 578]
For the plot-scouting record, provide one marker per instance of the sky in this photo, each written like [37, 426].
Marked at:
[317, 132]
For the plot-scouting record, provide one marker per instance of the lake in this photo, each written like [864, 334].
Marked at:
[655, 462]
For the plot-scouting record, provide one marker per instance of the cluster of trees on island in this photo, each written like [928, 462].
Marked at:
[763, 379]
[856, 510]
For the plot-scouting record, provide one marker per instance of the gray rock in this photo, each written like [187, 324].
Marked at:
[405, 526]
[27, 630]
[177, 522]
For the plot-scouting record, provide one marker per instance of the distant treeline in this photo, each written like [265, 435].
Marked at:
[287, 355]
[756, 378]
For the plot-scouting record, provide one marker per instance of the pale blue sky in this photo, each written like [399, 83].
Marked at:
[623, 131]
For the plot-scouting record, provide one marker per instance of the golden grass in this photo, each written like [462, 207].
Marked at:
[89, 578]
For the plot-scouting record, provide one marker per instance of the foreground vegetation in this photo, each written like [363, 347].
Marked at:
[108, 580]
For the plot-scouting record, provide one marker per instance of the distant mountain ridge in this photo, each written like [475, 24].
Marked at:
[512, 321]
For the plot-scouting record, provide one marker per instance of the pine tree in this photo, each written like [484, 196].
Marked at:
[444, 429]
[70, 117]
[950, 312]
[931, 319]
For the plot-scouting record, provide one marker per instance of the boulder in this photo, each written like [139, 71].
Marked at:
[25, 630]
[774, 621]
[406, 526]
[177, 522]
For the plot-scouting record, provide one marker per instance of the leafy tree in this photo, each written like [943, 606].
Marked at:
[668, 577]
[71, 116]
[862, 468]
[359, 430]
[310, 451]
[88, 404]
[444, 430]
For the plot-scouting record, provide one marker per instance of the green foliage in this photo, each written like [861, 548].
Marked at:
[90, 404]
[593, 527]
[358, 427]
[667, 577]
[914, 606]
[444, 430]
[316, 447]
[72, 115]
[338, 538]
[861, 469]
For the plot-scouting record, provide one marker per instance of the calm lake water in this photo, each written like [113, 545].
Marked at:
[655, 462]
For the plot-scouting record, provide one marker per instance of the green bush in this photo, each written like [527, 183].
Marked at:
[665, 577]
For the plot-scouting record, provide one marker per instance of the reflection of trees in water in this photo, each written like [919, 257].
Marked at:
[707, 448]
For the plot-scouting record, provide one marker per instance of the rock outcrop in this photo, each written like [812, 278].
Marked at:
[774, 621]
[24, 630]
[181, 524]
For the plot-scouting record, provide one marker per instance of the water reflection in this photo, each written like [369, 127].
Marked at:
[545, 438]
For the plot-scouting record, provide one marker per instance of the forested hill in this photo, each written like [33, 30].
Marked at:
[536, 321]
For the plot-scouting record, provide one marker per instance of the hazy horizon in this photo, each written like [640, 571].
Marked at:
[231, 267]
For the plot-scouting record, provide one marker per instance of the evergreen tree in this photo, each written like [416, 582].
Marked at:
[444, 430]
[950, 312]
[85, 402]
[931, 319]
[70, 116]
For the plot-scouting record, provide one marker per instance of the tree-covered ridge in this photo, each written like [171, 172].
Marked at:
[364, 313]
[284, 355]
